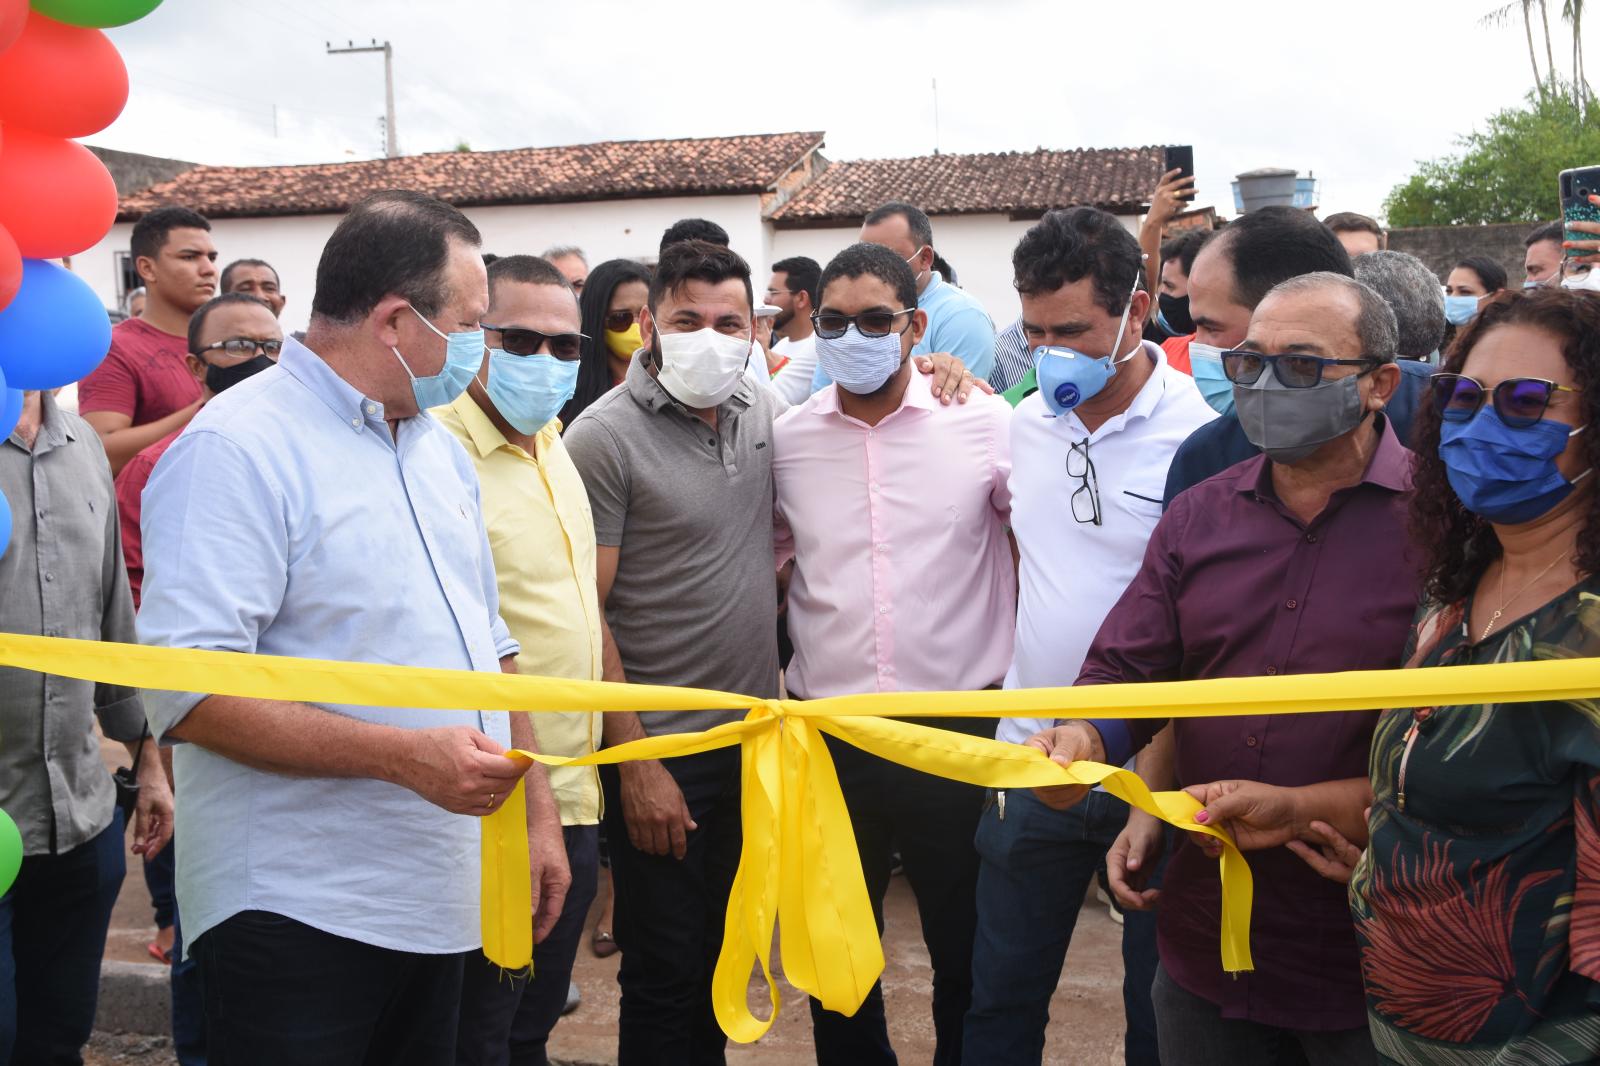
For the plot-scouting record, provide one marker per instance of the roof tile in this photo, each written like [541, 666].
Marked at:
[1021, 183]
[605, 171]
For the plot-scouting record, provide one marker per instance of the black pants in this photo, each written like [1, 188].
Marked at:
[505, 1020]
[278, 991]
[670, 914]
[931, 821]
[53, 923]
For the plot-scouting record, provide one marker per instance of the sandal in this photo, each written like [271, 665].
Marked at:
[604, 944]
[159, 955]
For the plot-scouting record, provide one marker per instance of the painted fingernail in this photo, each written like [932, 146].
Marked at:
[1202, 817]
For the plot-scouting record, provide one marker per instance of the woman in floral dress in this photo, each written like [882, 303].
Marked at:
[1477, 903]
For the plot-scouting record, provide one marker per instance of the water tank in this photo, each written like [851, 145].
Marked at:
[1267, 187]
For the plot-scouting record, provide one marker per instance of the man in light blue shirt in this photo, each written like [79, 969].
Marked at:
[328, 856]
[957, 322]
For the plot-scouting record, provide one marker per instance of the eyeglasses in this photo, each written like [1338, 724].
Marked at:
[620, 321]
[245, 346]
[1086, 500]
[1520, 402]
[1292, 371]
[518, 341]
[831, 325]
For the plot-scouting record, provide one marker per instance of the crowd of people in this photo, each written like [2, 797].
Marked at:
[1276, 448]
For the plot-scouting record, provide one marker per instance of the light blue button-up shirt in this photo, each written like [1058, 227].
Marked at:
[957, 323]
[287, 520]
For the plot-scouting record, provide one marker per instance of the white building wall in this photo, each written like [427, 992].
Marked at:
[979, 247]
[605, 230]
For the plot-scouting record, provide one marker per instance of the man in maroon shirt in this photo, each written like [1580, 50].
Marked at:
[232, 337]
[143, 392]
[1295, 561]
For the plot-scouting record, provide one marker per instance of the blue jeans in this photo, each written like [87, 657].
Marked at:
[507, 1020]
[188, 1004]
[53, 924]
[1036, 864]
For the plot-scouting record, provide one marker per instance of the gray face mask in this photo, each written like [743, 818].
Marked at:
[1290, 424]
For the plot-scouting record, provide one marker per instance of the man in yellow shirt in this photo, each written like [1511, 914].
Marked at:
[542, 538]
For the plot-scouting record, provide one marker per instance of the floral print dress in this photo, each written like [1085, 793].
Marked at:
[1477, 903]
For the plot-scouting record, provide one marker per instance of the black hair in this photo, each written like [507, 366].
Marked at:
[803, 274]
[197, 321]
[150, 232]
[1550, 231]
[393, 243]
[916, 221]
[1270, 245]
[227, 271]
[1069, 245]
[1353, 222]
[698, 261]
[1491, 274]
[946, 271]
[489, 259]
[527, 269]
[1183, 248]
[862, 259]
[594, 365]
[693, 229]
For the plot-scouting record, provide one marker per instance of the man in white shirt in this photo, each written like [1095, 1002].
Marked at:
[1089, 460]
[793, 291]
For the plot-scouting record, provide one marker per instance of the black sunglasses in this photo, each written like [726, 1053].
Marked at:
[518, 341]
[1520, 402]
[831, 324]
[245, 346]
[619, 321]
[1292, 371]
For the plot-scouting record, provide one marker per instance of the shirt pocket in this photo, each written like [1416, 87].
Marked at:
[1141, 503]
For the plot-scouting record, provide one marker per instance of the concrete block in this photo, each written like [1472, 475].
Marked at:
[135, 997]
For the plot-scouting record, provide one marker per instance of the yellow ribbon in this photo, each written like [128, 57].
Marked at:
[799, 869]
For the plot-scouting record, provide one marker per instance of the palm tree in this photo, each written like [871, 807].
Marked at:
[1572, 14]
[1498, 17]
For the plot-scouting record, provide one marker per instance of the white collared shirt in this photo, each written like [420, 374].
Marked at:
[1073, 572]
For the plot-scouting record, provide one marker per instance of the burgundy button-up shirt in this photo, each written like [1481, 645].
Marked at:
[1234, 585]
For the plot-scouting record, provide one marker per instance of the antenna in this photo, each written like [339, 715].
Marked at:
[391, 142]
[935, 116]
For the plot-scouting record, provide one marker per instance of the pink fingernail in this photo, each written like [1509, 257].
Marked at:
[1202, 817]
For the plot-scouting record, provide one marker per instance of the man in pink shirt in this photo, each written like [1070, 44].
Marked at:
[894, 510]
[143, 391]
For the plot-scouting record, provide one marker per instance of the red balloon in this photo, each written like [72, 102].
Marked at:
[10, 269]
[56, 198]
[13, 16]
[63, 80]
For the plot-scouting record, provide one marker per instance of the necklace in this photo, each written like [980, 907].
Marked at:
[1494, 619]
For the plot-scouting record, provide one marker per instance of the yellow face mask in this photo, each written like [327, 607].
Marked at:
[624, 344]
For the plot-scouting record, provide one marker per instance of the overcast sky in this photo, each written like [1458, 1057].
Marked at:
[1354, 91]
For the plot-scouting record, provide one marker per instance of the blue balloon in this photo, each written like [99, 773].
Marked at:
[5, 523]
[54, 332]
[10, 410]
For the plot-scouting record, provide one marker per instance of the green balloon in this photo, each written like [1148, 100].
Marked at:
[10, 852]
[96, 13]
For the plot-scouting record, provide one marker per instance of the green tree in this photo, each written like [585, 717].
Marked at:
[1505, 172]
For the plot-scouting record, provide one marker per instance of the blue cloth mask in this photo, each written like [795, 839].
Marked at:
[1068, 377]
[1205, 363]
[1459, 310]
[463, 357]
[1504, 474]
[529, 390]
[857, 363]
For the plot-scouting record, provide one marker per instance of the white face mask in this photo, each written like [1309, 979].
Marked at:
[1588, 281]
[702, 369]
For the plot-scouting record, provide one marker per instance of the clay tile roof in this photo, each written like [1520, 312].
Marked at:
[609, 170]
[1016, 183]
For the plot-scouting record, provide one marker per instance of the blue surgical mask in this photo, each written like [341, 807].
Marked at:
[1205, 363]
[529, 390]
[1531, 284]
[1504, 474]
[463, 357]
[1067, 377]
[1459, 310]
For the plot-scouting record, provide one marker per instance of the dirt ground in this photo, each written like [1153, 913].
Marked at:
[1085, 1016]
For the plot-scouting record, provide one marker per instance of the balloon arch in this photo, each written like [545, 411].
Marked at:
[60, 78]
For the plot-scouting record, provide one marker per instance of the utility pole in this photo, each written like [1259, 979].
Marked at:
[935, 116]
[391, 141]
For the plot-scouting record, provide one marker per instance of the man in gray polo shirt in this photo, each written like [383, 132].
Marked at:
[678, 467]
